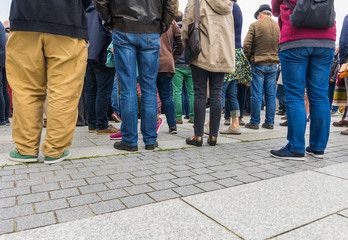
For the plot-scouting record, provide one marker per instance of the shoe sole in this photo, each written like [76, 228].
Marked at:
[315, 155]
[173, 132]
[106, 133]
[31, 160]
[92, 131]
[115, 119]
[58, 160]
[289, 158]
[160, 126]
[119, 138]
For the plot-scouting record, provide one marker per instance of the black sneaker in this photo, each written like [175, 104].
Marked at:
[121, 146]
[151, 146]
[173, 130]
[316, 154]
[284, 153]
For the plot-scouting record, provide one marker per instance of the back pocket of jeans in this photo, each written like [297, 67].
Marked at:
[119, 38]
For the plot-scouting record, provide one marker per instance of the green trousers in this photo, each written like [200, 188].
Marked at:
[182, 75]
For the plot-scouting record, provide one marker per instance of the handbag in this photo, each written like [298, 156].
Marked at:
[193, 43]
[343, 70]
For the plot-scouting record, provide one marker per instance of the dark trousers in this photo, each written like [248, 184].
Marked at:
[200, 78]
[165, 90]
[4, 98]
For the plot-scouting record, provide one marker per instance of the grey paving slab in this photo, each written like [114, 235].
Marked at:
[107, 206]
[166, 220]
[51, 205]
[74, 213]
[330, 228]
[338, 170]
[7, 202]
[138, 200]
[267, 208]
[164, 195]
[6, 226]
[112, 194]
[35, 221]
[69, 192]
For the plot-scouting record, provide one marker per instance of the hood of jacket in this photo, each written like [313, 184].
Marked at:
[220, 7]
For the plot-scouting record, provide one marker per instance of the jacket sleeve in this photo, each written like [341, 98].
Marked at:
[178, 47]
[343, 48]
[276, 7]
[86, 3]
[187, 19]
[170, 11]
[248, 42]
[103, 7]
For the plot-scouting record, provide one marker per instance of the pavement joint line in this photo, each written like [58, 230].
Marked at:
[327, 174]
[342, 215]
[301, 226]
[212, 219]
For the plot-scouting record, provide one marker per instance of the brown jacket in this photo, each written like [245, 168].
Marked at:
[217, 34]
[168, 55]
[261, 43]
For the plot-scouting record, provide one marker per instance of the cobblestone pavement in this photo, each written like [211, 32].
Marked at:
[37, 195]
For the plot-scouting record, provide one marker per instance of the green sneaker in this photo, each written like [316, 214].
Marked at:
[65, 155]
[15, 156]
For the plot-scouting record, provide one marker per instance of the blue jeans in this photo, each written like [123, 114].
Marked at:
[241, 95]
[185, 102]
[165, 91]
[281, 96]
[98, 92]
[229, 92]
[4, 98]
[115, 103]
[307, 67]
[144, 48]
[264, 81]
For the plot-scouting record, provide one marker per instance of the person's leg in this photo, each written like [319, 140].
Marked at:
[2, 99]
[190, 93]
[235, 110]
[164, 86]
[280, 95]
[200, 78]
[91, 95]
[256, 88]
[114, 97]
[294, 66]
[28, 83]
[125, 59]
[6, 98]
[81, 107]
[65, 77]
[177, 92]
[270, 96]
[148, 59]
[215, 86]
[317, 86]
[225, 85]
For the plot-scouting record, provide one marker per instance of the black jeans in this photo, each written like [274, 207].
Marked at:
[4, 98]
[200, 78]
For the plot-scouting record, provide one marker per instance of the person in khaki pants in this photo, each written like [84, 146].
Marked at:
[46, 50]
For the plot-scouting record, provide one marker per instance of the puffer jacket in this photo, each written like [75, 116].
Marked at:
[137, 16]
[217, 34]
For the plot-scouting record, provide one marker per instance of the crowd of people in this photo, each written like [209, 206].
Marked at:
[86, 62]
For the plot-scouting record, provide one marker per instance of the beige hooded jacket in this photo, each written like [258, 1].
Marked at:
[217, 34]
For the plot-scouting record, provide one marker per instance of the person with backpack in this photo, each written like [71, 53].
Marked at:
[306, 50]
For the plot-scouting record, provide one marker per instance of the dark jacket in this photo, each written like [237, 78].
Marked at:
[180, 63]
[334, 68]
[60, 17]
[99, 38]
[2, 45]
[137, 16]
[167, 55]
[343, 49]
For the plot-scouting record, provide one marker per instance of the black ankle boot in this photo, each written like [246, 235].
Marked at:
[195, 141]
[212, 140]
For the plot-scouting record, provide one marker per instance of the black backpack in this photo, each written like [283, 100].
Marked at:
[312, 14]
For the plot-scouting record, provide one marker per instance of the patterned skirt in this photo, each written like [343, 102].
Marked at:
[243, 69]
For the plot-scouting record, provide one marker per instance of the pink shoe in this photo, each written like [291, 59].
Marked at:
[116, 136]
[159, 124]
[116, 117]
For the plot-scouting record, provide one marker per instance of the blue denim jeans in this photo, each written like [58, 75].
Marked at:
[115, 103]
[229, 97]
[4, 98]
[241, 95]
[129, 49]
[281, 96]
[307, 67]
[165, 91]
[185, 102]
[98, 92]
[264, 81]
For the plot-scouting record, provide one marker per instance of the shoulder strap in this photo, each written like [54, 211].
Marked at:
[197, 14]
[289, 5]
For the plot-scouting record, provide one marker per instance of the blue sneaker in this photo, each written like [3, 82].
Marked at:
[284, 153]
[316, 154]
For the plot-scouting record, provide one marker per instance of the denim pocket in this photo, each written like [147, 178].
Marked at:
[119, 38]
[153, 40]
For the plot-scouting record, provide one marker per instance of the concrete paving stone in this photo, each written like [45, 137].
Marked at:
[164, 176]
[282, 164]
[253, 169]
[7, 202]
[65, 171]
[118, 184]
[337, 170]
[142, 180]
[196, 165]
[112, 194]
[344, 213]
[41, 175]
[135, 201]
[177, 162]
[140, 167]
[229, 182]
[88, 169]
[209, 186]
[332, 227]
[262, 209]
[73, 183]
[248, 163]
[162, 185]
[93, 188]
[201, 170]
[187, 190]
[14, 167]
[92, 163]
[121, 176]
[83, 199]
[64, 193]
[14, 192]
[16, 211]
[32, 198]
[6, 226]
[292, 169]
[263, 175]
[44, 187]
[182, 174]
[9, 178]
[107, 206]
[204, 178]
[51, 168]
[164, 195]
[74, 165]
[222, 175]
[26, 170]
[162, 170]
[57, 179]
[134, 190]
[269, 166]
[6, 185]
[247, 178]
[142, 173]
[74, 213]
[51, 205]
[163, 165]
[278, 172]
[29, 182]
[99, 179]
[184, 181]
[104, 172]
[6, 173]
[181, 168]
